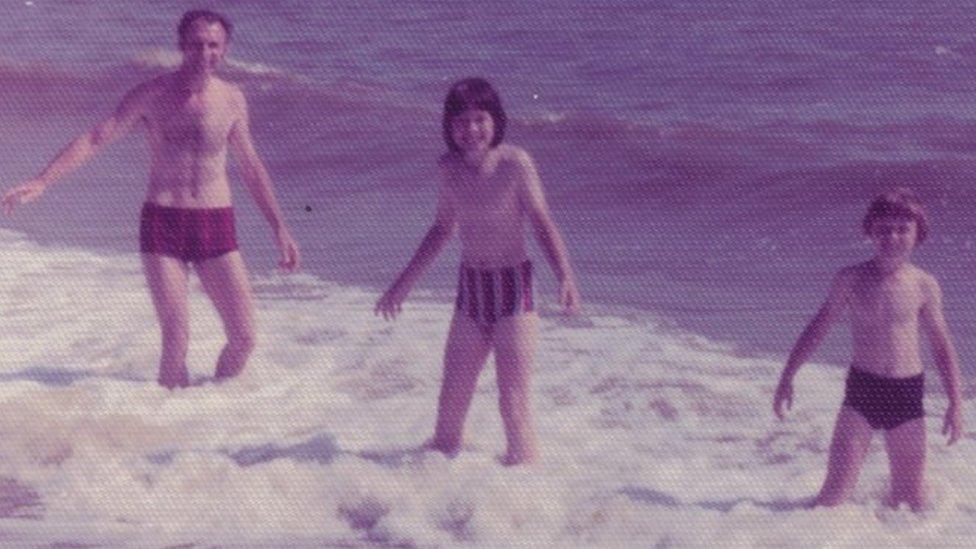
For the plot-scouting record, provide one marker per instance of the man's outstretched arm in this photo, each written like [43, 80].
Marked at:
[130, 110]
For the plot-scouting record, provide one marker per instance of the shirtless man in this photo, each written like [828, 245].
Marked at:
[889, 301]
[191, 117]
[489, 191]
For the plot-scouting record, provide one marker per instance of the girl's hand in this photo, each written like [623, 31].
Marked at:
[391, 303]
[569, 297]
[952, 425]
[783, 396]
[21, 194]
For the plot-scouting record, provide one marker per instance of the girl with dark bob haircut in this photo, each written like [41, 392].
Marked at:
[473, 93]
[490, 194]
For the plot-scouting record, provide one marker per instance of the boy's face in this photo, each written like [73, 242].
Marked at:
[894, 237]
[473, 130]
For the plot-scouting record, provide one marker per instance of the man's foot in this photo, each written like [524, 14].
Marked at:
[448, 449]
[519, 457]
[918, 503]
[226, 373]
[174, 380]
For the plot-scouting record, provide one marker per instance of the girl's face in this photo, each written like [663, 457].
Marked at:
[473, 130]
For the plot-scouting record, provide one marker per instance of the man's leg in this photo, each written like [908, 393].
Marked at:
[225, 280]
[852, 438]
[515, 340]
[906, 458]
[167, 280]
[464, 357]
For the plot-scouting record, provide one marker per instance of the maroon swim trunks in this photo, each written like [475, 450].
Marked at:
[188, 234]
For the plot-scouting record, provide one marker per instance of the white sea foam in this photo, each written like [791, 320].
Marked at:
[651, 437]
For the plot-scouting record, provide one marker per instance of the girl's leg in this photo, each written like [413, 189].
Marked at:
[515, 340]
[852, 438]
[464, 357]
[906, 458]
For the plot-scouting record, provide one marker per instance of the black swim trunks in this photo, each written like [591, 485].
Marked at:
[885, 402]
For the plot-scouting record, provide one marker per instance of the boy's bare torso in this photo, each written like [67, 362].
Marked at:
[489, 208]
[188, 132]
[885, 309]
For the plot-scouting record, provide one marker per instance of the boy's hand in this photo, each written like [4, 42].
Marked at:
[21, 194]
[569, 297]
[952, 425]
[783, 396]
[391, 303]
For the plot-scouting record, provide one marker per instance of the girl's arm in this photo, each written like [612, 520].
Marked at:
[810, 339]
[445, 223]
[548, 236]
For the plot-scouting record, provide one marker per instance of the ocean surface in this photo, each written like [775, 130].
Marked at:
[708, 163]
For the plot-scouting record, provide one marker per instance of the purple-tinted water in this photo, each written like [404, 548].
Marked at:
[708, 162]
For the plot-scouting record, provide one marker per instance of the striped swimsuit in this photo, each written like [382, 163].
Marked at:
[487, 295]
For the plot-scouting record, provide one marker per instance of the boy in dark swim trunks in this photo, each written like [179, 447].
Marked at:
[889, 299]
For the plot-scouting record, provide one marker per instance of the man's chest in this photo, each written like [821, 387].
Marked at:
[193, 123]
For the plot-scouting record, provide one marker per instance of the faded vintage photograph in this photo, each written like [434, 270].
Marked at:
[504, 274]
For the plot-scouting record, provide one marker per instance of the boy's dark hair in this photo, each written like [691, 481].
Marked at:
[900, 202]
[473, 93]
[191, 17]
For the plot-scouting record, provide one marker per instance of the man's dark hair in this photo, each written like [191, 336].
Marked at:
[192, 16]
[473, 93]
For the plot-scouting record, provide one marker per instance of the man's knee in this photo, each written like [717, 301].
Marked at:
[513, 394]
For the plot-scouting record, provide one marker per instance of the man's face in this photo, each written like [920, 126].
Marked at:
[204, 46]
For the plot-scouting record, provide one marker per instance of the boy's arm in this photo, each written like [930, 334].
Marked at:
[811, 337]
[548, 236]
[946, 360]
[443, 228]
[258, 182]
[130, 110]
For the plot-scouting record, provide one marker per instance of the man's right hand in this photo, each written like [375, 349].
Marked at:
[569, 296]
[22, 194]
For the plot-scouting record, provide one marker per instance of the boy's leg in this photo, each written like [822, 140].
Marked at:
[515, 339]
[906, 457]
[167, 280]
[225, 280]
[464, 357]
[852, 438]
